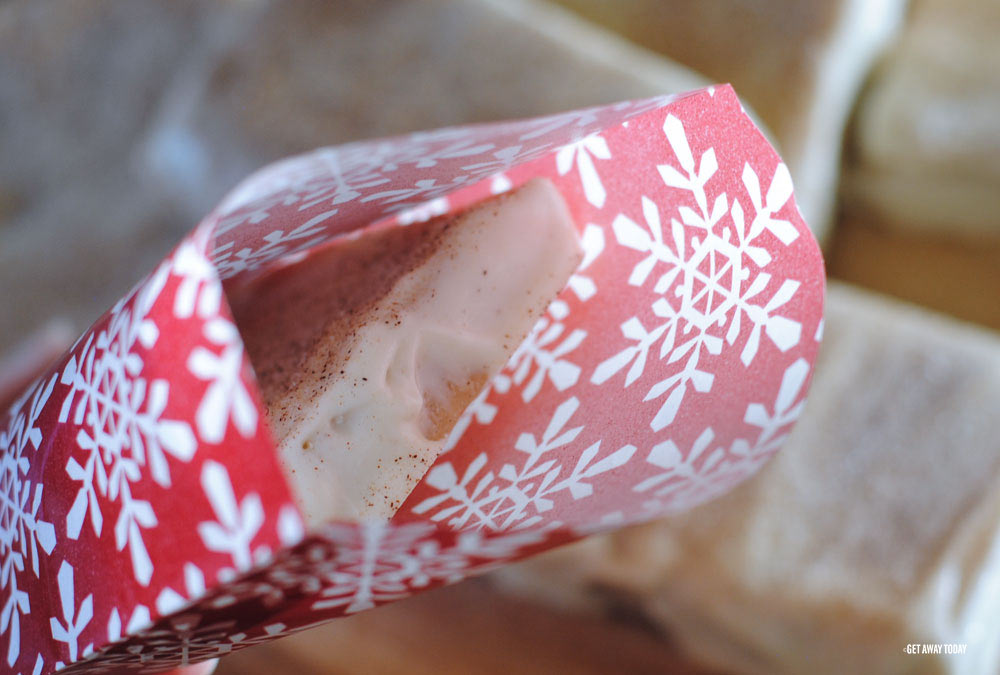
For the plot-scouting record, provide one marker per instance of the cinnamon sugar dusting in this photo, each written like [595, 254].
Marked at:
[300, 323]
[368, 350]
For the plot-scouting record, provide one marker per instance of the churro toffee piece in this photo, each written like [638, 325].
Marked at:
[369, 349]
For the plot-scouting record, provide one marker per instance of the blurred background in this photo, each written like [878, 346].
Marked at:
[123, 122]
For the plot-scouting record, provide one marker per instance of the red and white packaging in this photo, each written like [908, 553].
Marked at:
[145, 520]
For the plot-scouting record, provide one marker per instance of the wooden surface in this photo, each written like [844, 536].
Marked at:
[466, 628]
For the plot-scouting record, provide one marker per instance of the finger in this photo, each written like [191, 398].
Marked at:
[30, 358]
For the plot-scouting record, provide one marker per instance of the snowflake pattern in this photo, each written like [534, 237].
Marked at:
[227, 397]
[380, 564]
[122, 430]
[24, 535]
[703, 293]
[341, 570]
[704, 473]
[182, 640]
[543, 351]
[397, 175]
[236, 524]
[139, 621]
[684, 286]
[517, 497]
[582, 153]
[276, 244]
[119, 440]
[74, 619]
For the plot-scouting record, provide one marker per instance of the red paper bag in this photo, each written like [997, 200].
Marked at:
[145, 520]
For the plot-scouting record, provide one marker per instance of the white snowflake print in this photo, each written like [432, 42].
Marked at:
[500, 183]
[199, 293]
[380, 566]
[329, 176]
[139, 621]
[517, 497]
[336, 176]
[227, 397]
[333, 176]
[378, 563]
[74, 620]
[269, 632]
[277, 244]
[543, 126]
[583, 152]
[680, 471]
[415, 194]
[349, 570]
[24, 534]
[703, 258]
[419, 150]
[39, 664]
[268, 593]
[170, 601]
[788, 405]
[504, 159]
[426, 150]
[122, 429]
[291, 529]
[592, 243]
[545, 349]
[237, 522]
[423, 212]
[705, 473]
[184, 641]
